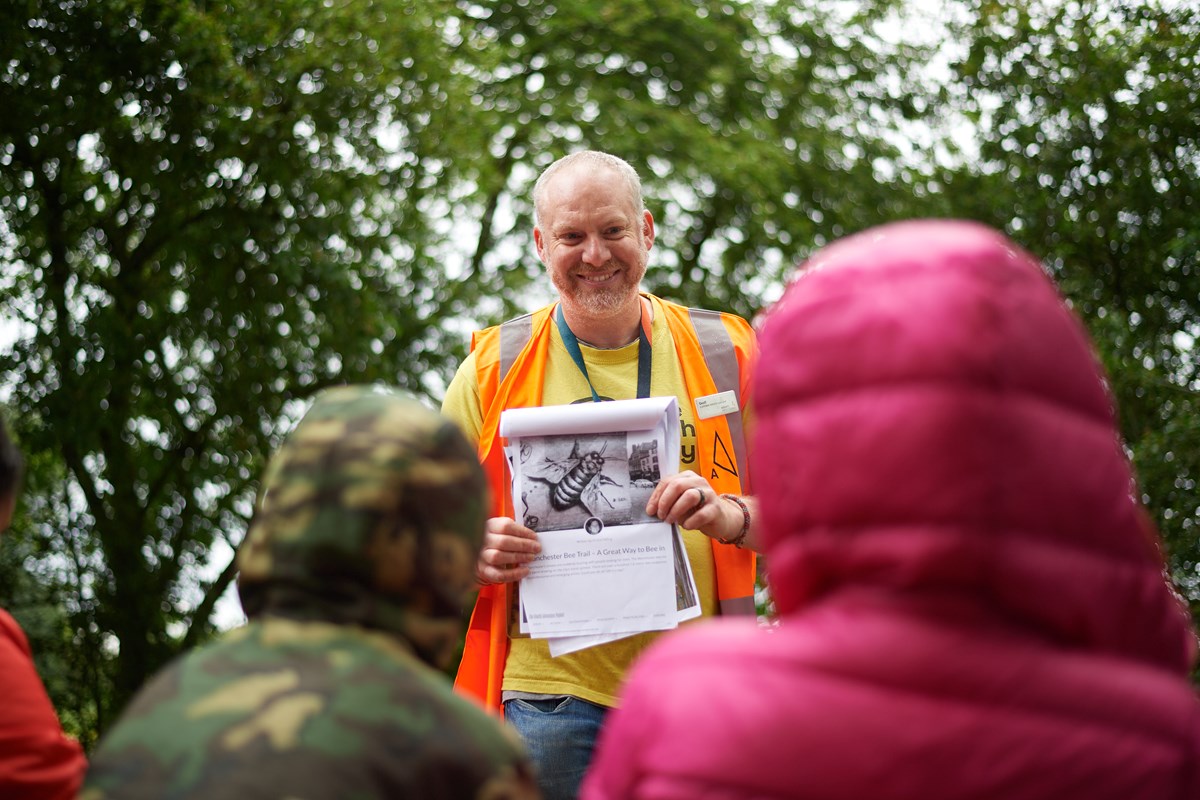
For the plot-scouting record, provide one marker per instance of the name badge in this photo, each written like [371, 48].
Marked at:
[716, 404]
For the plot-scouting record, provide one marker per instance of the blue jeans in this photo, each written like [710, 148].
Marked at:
[560, 734]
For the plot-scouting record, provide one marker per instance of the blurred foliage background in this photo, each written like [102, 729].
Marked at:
[209, 209]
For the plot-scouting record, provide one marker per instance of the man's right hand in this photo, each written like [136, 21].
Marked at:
[508, 547]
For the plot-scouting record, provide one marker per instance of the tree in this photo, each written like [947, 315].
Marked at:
[199, 216]
[1090, 155]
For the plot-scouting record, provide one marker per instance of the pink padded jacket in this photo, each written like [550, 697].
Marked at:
[971, 603]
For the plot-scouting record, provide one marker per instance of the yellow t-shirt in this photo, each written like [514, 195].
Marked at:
[594, 674]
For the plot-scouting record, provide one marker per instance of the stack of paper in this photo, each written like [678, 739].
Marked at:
[581, 477]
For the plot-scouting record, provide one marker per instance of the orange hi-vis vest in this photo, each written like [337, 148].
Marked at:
[716, 352]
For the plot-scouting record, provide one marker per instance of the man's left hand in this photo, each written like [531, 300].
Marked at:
[687, 500]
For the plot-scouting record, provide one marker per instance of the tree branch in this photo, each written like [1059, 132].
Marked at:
[203, 612]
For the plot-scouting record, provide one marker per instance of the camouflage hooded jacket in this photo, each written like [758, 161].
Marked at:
[352, 575]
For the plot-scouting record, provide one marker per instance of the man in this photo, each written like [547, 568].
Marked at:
[602, 340]
[36, 759]
[352, 575]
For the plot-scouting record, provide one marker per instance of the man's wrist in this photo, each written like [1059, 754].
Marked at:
[744, 528]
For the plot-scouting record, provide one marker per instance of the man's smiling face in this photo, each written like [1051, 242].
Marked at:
[594, 241]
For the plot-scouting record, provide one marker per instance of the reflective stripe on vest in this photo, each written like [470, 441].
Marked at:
[722, 362]
[514, 335]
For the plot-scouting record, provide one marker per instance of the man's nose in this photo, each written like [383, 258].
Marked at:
[595, 252]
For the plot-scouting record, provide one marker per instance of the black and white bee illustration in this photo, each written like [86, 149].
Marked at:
[578, 481]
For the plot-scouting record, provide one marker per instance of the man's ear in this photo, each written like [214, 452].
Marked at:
[648, 229]
[539, 243]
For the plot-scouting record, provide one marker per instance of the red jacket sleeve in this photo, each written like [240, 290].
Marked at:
[37, 760]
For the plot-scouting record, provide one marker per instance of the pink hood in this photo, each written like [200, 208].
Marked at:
[948, 433]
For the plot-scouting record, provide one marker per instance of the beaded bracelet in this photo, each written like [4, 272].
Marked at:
[741, 537]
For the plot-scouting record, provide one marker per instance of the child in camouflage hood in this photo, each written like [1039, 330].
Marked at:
[352, 574]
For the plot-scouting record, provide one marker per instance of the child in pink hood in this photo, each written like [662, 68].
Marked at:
[971, 603]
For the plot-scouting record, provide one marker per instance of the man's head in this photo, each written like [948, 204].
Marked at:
[371, 514]
[11, 468]
[593, 233]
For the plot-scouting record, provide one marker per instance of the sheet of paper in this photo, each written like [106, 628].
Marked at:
[687, 597]
[588, 477]
[617, 580]
[687, 603]
[642, 414]
[565, 645]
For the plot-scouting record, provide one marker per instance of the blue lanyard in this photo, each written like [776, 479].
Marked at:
[572, 344]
